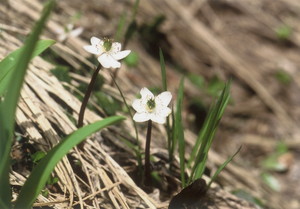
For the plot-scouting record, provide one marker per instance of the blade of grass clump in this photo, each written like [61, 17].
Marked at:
[172, 140]
[163, 70]
[179, 134]
[9, 62]
[222, 167]
[165, 88]
[217, 114]
[207, 134]
[9, 104]
[203, 131]
[41, 172]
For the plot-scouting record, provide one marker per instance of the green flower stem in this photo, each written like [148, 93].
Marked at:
[87, 96]
[147, 170]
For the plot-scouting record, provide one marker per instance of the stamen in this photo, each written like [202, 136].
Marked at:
[107, 44]
[150, 105]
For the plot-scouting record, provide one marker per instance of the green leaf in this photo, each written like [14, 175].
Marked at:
[179, 134]
[203, 143]
[284, 32]
[215, 86]
[52, 180]
[272, 162]
[163, 70]
[132, 59]
[271, 181]
[248, 197]
[197, 80]
[165, 88]
[9, 104]
[283, 77]
[40, 174]
[9, 62]
[61, 72]
[108, 103]
[37, 156]
[222, 167]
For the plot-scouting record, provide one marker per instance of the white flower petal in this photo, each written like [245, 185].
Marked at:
[76, 32]
[108, 61]
[158, 118]
[121, 55]
[62, 37]
[115, 47]
[164, 98]
[95, 40]
[141, 117]
[163, 111]
[146, 94]
[138, 105]
[70, 27]
[91, 49]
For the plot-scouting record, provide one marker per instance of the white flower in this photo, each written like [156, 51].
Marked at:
[68, 32]
[152, 108]
[108, 52]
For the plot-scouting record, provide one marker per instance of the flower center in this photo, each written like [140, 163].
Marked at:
[107, 44]
[150, 105]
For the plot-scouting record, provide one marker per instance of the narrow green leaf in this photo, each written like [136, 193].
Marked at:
[9, 104]
[197, 80]
[165, 88]
[217, 114]
[213, 178]
[199, 155]
[10, 62]
[163, 70]
[179, 134]
[172, 140]
[40, 174]
[271, 181]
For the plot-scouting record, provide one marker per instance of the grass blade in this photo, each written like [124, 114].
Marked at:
[10, 61]
[40, 174]
[165, 88]
[179, 134]
[222, 167]
[207, 134]
[163, 70]
[9, 104]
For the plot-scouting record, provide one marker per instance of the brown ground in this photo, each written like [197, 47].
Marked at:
[215, 39]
